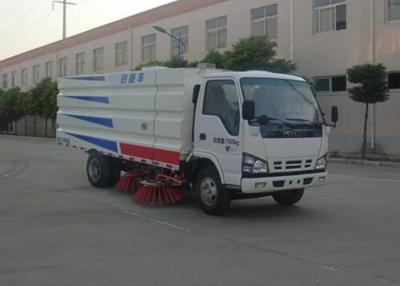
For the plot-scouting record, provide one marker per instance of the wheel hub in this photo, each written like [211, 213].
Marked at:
[208, 191]
[95, 170]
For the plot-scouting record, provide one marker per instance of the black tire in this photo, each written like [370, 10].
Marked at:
[288, 198]
[116, 167]
[99, 170]
[211, 195]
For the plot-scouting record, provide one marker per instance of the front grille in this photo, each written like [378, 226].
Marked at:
[291, 165]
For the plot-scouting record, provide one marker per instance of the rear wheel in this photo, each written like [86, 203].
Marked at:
[288, 198]
[211, 195]
[99, 171]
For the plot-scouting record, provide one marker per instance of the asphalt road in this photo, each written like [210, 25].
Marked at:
[57, 230]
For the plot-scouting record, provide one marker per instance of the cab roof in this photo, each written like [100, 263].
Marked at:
[253, 74]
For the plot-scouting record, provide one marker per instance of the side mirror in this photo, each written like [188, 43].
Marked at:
[248, 110]
[335, 115]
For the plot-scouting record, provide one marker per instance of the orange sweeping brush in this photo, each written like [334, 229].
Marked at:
[156, 193]
[129, 181]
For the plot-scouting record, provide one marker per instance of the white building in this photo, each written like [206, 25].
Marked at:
[324, 37]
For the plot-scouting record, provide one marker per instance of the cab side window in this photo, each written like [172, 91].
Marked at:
[221, 100]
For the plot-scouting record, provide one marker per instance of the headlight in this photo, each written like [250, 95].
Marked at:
[253, 165]
[321, 163]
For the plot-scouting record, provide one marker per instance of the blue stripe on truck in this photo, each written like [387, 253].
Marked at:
[106, 144]
[96, 120]
[99, 99]
[91, 78]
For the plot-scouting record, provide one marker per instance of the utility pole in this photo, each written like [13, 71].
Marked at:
[292, 30]
[65, 3]
[372, 34]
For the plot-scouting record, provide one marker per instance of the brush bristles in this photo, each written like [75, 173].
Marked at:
[157, 195]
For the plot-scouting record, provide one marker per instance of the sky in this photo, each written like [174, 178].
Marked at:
[28, 24]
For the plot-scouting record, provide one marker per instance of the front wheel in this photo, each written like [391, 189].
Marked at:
[211, 195]
[288, 198]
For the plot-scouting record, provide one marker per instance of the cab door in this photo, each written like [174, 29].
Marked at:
[218, 127]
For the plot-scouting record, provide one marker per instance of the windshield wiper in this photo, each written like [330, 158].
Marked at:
[305, 120]
[265, 119]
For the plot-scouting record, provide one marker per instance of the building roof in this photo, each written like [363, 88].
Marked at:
[162, 12]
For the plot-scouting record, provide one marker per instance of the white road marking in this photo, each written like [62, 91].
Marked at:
[129, 212]
[333, 269]
[366, 178]
[392, 174]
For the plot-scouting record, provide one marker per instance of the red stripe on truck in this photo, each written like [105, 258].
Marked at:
[137, 151]
[165, 156]
[153, 154]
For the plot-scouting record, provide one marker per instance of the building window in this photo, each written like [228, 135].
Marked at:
[5, 81]
[394, 80]
[264, 21]
[323, 84]
[121, 54]
[217, 33]
[80, 63]
[183, 34]
[13, 79]
[98, 60]
[36, 74]
[339, 84]
[149, 48]
[24, 77]
[393, 10]
[331, 84]
[62, 67]
[49, 70]
[330, 15]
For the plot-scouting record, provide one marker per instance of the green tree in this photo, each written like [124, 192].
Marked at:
[9, 111]
[1, 115]
[254, 53]
[215, 57]
[370, 87]
[44, 100]
[24, 106]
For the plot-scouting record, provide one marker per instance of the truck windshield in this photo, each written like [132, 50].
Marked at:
[284, 100]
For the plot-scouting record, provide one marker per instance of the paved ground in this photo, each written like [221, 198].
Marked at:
[56, 230]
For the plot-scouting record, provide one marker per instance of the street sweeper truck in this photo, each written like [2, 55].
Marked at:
[221, 135]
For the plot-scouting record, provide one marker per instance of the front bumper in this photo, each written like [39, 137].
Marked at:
[272, 184]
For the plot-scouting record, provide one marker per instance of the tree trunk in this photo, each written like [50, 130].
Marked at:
[26, 125]
[46, 120]
[53, 127]
[364, 146]
[34, 125]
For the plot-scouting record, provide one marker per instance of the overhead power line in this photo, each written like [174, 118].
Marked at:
[17, 18]
[22, 34]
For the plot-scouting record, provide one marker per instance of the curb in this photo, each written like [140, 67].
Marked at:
[27, 137]
[365, 162]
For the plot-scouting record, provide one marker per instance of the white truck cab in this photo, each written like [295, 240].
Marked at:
[231, 135]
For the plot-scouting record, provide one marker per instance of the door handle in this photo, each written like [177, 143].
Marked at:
[203, 136]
